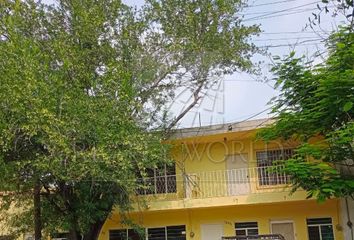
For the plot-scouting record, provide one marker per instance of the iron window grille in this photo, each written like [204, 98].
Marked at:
[320, 229]
[270, 166]
[125, 234]
[160, 233]
[159, 181]
[246, 228]
[256, 237]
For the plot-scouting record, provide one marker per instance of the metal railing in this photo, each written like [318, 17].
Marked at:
[158, 185]
[233, 182]
[256, 237]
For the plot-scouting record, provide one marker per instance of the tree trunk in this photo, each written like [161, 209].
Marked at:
[94, 231]
[73, 235]
[37, 211]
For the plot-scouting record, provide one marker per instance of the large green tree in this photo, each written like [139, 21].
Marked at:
[317, 102]
[67, 125]
[83, 83]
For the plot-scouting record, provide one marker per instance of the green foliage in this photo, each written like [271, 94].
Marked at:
[209, 34]
[317, 101]
[334, 8]
[83, 83]
[65, 122]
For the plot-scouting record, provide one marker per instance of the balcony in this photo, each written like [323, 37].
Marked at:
[212, 184]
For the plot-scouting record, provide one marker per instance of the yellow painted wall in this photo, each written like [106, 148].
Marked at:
[262, 213]
[208, 154]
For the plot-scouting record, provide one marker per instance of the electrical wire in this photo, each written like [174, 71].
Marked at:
[291, 45]
[280, 11]
[266, 12]
[274, 16]
[294, 32]
[230, 122]
[283, 39]
[267, 4]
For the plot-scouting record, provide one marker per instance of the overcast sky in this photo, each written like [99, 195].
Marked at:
[241, 96]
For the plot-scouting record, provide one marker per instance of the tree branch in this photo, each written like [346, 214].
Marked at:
[197, 97]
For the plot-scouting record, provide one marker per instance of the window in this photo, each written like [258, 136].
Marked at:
[120, 234]
[156, 233]
[160, 233]
[134, 235]
[320, 229]
[159, 180]
[268, 159]
[246, 228]
[125, 234]
[176, 232]
[167, 233]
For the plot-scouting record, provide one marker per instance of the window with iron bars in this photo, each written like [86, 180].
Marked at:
[167, 233]
[159, 181]
[125, 234]
[158, 233]
[270, 166]
[246, 228]
[320, 229]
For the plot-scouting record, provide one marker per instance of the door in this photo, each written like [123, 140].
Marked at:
[284, 228]
[212, 231]
[237, 174]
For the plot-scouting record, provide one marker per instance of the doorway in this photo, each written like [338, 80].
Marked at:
[285, 228]
[238, 181]
[212, 231]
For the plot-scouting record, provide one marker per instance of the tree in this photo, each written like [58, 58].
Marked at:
[84, 83]
[65, 125]
[344, 8]
[317, 102]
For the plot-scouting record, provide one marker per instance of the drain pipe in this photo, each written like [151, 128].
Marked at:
[349, 222]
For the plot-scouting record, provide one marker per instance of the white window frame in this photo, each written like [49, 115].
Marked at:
[319, 226]
[246, 229]
[127, 231]
[147, 230]
[265, 179]
[155, 190]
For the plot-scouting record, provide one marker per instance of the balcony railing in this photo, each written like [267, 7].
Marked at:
[256, 237]
[158, 185]
[222, 183]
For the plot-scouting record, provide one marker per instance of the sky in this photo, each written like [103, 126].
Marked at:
[241, 96]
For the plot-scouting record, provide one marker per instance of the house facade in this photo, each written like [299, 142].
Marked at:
[221, 185]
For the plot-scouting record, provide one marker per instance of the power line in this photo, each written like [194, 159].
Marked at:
[280, 11]
[229, 122]
[279, 15]
[283, 39]
[244, 80]
[272, 3]
[252, 116]
[289, 11]
[257, 126]
[274, 16]
[299, 32]
[256, 13]
[291, 45]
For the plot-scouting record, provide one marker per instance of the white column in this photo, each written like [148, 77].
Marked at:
[347, 212]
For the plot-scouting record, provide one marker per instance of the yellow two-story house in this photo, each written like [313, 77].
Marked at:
[220, 185]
